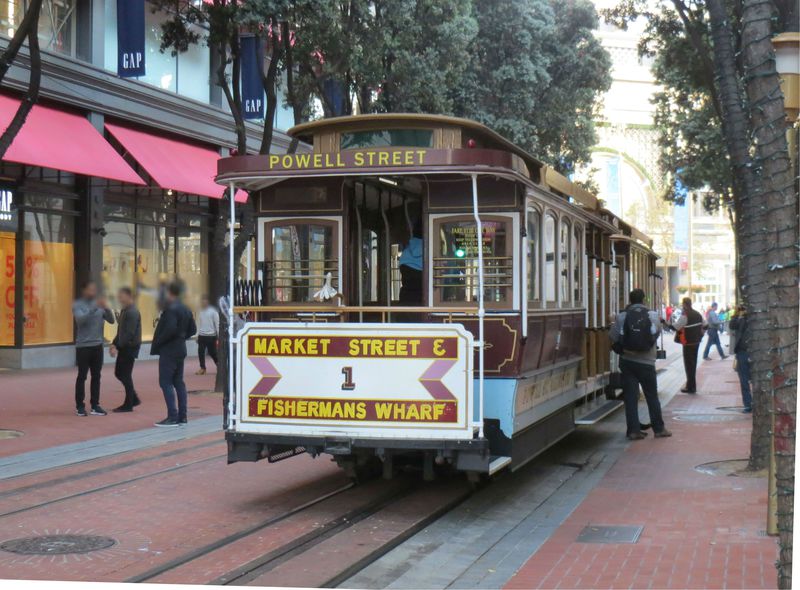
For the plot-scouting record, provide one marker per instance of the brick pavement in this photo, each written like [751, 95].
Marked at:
[700, 530]
[41, 404]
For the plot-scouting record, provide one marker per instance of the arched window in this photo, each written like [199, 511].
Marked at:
[563, 268]
[550, 258]
[577, 265]
[534, 250]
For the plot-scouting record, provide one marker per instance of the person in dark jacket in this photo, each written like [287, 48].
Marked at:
[90, 313]
[638, 368]
[126, 347]
[175, 326]
[740, 328]
[690, 333]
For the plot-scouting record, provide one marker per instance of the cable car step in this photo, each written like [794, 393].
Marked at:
[600, 412]
[496, 463]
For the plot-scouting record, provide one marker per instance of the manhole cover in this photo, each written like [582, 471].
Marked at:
[5, 434]
[735, 467]
[57, 544]
[707, 417]
[599, 533]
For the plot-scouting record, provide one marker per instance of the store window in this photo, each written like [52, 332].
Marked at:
[57, 23]
[564, 259]
[534, 254]
[49, 269]
[298, 256]
[148, 243]
[550, 270]
[187, 73]
[455, 262]
[577, 265]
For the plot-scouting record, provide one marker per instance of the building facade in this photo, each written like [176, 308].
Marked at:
[109, 180]
[697, 248]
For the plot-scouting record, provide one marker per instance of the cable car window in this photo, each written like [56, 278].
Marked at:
[577, 264]
[455, 263]
[387, 138]
[563, 250]
[549, 258]
[299, 255]
[534, 249]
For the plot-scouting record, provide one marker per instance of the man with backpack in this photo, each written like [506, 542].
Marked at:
[634, 335]
[690, 333]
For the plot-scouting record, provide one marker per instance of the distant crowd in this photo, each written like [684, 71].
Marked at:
[634, 335]
[176, 324]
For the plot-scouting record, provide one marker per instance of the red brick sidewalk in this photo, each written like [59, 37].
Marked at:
[41, 404]
[700, 530]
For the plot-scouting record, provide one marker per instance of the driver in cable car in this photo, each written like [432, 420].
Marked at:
[411, 268]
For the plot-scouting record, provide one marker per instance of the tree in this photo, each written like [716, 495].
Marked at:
[28, 28]
[535, 75]
[730, 43]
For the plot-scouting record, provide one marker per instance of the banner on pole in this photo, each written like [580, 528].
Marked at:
[252, 68]
[130, 38]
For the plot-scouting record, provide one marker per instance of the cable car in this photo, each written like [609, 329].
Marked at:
[422, 287]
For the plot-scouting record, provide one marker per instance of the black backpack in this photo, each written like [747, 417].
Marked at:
[637, 331]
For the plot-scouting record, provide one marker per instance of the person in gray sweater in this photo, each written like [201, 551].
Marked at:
[125, 347]
[89, 311]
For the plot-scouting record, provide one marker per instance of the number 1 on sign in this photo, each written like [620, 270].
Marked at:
[348, 384]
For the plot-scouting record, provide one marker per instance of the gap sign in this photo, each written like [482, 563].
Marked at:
[130, 38]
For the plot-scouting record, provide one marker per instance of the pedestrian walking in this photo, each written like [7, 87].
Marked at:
[125, 347]
[174, 327]
[740, 328]
[714, 325]
[89, 311]
[689, 328]
[634, 335]
[207, 331]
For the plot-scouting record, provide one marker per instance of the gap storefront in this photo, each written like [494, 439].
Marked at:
[87, 197]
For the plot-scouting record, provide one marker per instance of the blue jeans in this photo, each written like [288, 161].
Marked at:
[713, 339]
[743, 368]
[170, 378]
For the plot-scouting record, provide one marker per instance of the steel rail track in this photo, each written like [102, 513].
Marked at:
[98, 470]
[110, 485]
[218, 544]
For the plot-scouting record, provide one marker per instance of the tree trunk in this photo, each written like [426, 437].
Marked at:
[30, 28]
[776, 336]
[736, 130]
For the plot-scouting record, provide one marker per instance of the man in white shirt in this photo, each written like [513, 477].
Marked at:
[207, 331]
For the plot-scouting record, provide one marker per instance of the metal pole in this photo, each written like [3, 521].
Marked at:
[388, 250]
[479, 227]
[231, 326]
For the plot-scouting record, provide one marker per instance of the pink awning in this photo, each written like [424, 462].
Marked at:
[52, 138]
[174, 164]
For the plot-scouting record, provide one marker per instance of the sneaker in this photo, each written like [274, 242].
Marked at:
[201, 372]
[663, 434]
[123, 408]
[637, 435]
[747, 411]
[136, 401]
[685, 390]
[98, 411]
[81, 412]
[167, 423]
[183, 421]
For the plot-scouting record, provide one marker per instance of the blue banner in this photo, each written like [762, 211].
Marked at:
[681, 216]
[613, 197]
[252, 84]
[130, 38]
[334, 95]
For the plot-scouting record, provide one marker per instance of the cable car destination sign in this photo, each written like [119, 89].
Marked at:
[350, 378]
